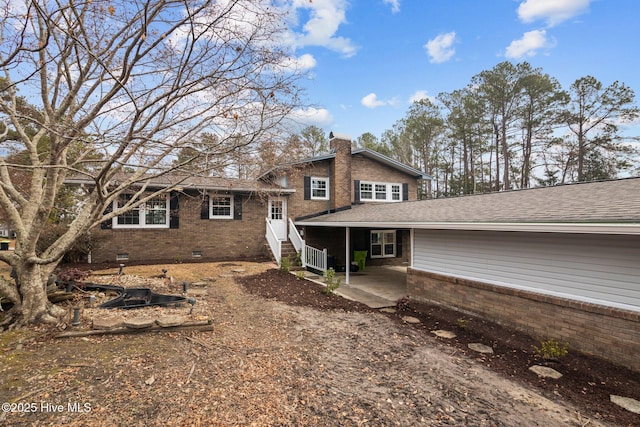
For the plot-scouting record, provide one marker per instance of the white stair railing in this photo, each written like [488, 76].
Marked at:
[274, 243]
[316, 258]
[294, 236]
[310, 256]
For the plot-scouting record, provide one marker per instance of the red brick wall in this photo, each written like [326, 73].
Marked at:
[610, 333]
[364, 169]
[217, 239]
[297, 206]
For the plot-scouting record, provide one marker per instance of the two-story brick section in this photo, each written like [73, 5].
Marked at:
[225, 218]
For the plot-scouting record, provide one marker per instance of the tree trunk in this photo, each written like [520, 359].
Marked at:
[32, 305]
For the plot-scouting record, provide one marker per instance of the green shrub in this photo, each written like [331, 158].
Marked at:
[331, 282]
[552, 349]
[300, 274]
[462, 323]
[285, 264]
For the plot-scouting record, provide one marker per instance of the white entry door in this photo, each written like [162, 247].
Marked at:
[278, 216]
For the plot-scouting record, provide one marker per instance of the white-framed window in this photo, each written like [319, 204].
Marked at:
[220, 207]
[380, 192]
[396, 192]
[319, 188]
[154, 213]
[383, 243]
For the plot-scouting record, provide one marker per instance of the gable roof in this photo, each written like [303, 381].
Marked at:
[590, 207]
[365, 152]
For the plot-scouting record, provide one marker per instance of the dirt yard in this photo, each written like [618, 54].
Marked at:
[284, 353]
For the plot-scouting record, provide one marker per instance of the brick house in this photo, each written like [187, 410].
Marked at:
[560, 262]
[224, 218]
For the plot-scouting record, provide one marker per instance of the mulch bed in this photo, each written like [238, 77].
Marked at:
[587, 381]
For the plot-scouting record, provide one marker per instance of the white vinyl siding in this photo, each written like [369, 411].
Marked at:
[592, 268]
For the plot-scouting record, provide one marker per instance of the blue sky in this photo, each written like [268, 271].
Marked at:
[368, 59]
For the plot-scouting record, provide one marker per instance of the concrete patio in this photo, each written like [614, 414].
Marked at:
[377, 287]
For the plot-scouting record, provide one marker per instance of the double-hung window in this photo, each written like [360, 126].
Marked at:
[319, 188]
[154, 213]
[380, 192]
[383, 243]
[221, 207]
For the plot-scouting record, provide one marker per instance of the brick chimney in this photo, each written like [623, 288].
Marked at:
[341, 171]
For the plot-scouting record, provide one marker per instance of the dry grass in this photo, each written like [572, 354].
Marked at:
[187, 272]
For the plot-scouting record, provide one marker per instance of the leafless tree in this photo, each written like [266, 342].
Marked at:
[124, 86]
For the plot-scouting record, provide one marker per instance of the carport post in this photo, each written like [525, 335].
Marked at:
[347, 244]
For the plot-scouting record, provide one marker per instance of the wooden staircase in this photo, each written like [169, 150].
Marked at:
[287, 250]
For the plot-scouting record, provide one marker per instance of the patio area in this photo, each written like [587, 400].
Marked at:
[377, 287]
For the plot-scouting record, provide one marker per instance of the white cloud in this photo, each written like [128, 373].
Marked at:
[371, 101]
[300, 63]
[320, 117]
[528, 45]
[325, 17]
[439, 49]
[395, 5]
[551, 11]
[420, 95]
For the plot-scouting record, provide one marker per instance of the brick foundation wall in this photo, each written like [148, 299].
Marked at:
[606, 332]
[216, 239]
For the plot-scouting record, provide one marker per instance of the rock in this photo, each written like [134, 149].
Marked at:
[411, 319]
[106, 324]
[480, 348]
[444, 334]
[150, 380]
[226, 275]
[627, 403]
[139, 322]
[238, 270]
[388, 310]
[545, 371]
[170, 321]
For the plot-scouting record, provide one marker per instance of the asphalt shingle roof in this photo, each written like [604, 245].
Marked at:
[616, 201]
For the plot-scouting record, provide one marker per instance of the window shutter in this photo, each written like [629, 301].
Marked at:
[356, 191]
[405, 191]
[174, 206]
[237, 207]
[307, 188]
[204, 207]
[108, 224]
